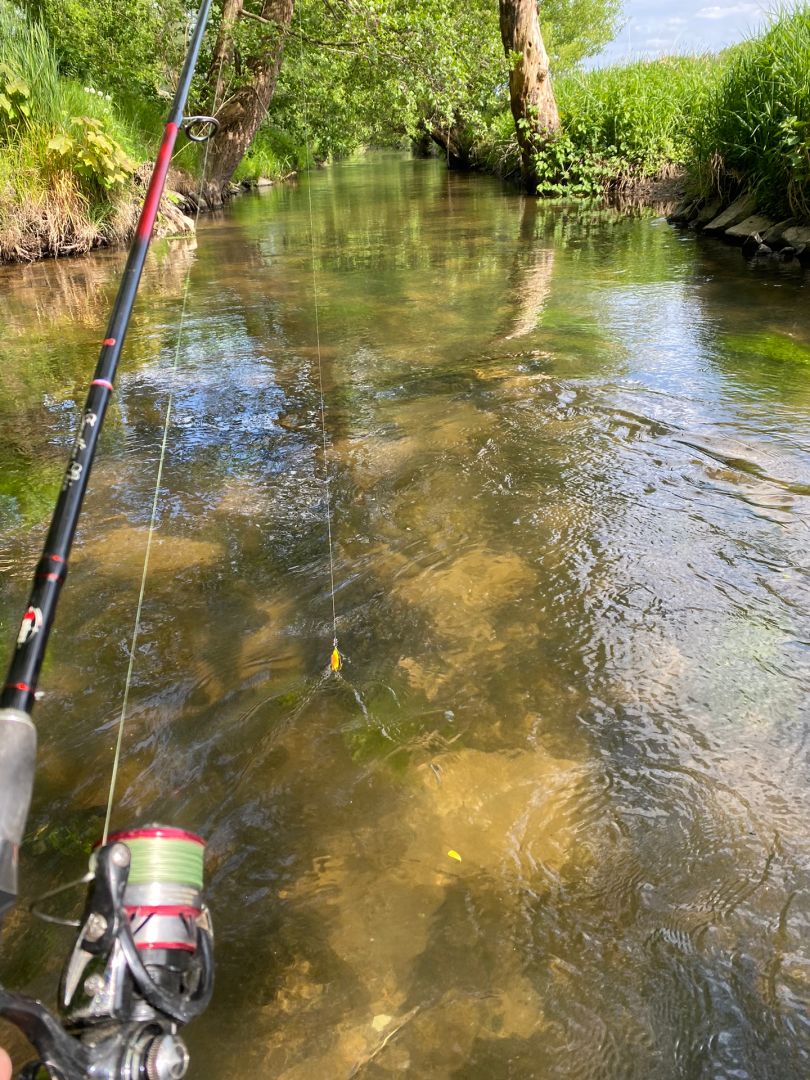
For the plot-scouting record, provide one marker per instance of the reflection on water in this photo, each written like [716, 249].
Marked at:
[568, 463]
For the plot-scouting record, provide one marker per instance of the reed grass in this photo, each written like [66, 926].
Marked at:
[621, 125]
[754, 132]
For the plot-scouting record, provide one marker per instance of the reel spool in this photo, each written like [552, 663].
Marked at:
[141, 966]
[163, 896]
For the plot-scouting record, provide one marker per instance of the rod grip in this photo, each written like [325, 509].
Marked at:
[18, 749]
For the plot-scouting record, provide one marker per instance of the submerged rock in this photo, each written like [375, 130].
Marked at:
[120, 552]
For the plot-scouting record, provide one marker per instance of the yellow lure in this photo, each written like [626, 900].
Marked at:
[335, 662]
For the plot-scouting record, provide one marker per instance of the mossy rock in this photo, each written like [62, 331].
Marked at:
[769, 346]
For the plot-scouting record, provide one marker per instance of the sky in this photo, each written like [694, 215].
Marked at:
[652, 27]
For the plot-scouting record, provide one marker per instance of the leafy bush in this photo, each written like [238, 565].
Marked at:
[15, 95]
[64, 166]
[619, 125]
[272, 154]
[626, 123]
[91, 153]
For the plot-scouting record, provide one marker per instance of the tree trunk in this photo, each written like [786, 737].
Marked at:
[223, 50]
[453, 144]
[242, 112]
[530, 92]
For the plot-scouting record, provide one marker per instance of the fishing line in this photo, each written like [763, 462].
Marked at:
[335, 659]
[153, 517]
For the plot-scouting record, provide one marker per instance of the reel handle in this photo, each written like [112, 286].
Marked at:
[124, 1026]
[18, 750]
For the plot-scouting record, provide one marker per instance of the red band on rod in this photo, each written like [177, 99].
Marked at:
[152, 201]
[103, 382]
[108, 341]
[18, 686]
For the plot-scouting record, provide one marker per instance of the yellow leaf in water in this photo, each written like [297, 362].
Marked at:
[454, 855]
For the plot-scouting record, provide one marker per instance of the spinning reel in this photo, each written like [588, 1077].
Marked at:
[142, 966]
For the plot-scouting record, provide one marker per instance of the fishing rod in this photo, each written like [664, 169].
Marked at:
[142, 963]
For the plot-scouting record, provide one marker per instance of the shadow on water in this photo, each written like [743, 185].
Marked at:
[569, 492]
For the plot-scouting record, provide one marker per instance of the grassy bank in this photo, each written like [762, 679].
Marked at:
[627, 124]
[621, 126]
[74, 159]
[732, 122]
[754, 133]
[67, 160]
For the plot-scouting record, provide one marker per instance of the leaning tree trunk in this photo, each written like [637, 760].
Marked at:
[453, 144]
[530, 93]
[242, 112]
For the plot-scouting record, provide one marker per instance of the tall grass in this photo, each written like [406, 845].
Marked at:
[754, 131]
[64, 151]
[641, 116]
[620, 125]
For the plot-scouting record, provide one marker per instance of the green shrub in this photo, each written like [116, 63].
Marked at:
[625, 123]
[272, 154]
[91, 153]
[619, 125]
[64, 165]
[15, 101]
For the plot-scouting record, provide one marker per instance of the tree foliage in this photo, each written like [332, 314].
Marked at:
[134, 46]
[377, 70]
[354, 72]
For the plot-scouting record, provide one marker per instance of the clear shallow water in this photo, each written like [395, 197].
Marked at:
[568, 457]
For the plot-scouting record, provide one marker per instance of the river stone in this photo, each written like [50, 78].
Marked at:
[750, 226]
[684, 212]
[751, 246]
[774, 236]
[797, 235]
[738, 211]
[707, 213]
[120, 551]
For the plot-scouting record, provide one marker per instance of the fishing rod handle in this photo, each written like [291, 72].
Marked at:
[18, 748]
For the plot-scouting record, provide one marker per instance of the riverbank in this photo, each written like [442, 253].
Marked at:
[75, 160]
[715, 128]
[728, 125]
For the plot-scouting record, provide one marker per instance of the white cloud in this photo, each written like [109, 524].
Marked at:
[727, 12]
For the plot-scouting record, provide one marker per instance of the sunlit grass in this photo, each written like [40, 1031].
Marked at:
[273, 155]
[755, 129]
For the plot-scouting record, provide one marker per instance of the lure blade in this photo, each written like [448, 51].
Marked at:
[335, 662]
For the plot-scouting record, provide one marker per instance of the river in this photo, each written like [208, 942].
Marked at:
[568, 460]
